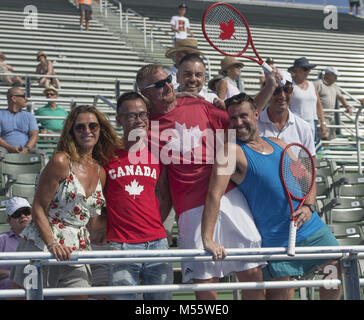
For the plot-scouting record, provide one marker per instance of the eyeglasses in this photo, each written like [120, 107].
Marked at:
[24, 211]
[239, 98]
[286, 89]
[19, 95]
[161, 83]
[81, 127]
[132, 116]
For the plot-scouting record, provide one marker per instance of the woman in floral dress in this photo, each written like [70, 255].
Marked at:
[69, 198]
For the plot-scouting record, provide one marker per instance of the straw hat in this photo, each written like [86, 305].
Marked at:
[50, 88]
[228, 62]
[2, 56]
[39, 54]
[189, 44]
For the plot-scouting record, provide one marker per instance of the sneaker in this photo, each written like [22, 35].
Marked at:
[82, 28]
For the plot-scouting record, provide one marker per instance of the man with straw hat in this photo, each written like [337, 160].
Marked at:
[180, 49]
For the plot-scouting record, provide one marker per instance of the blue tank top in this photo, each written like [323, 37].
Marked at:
[267, 199]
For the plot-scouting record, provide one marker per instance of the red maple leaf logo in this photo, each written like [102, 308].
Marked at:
[227, 29]
[298, 170]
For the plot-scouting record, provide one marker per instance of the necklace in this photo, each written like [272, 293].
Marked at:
[261, 149]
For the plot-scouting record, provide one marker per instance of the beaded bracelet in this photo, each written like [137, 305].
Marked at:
[51, 244]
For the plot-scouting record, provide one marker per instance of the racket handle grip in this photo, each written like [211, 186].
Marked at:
[268, 68]
[291, 250]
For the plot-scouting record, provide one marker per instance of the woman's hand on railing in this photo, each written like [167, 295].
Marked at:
[60, 251]
[217, 250]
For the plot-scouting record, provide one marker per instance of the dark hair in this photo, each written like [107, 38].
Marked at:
[192, 57]
[127, 96]
[240, 98]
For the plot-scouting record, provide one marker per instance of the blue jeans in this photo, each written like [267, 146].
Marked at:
[149, 273]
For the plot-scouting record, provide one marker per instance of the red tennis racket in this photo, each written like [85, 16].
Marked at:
[226, 29]
[297, 170]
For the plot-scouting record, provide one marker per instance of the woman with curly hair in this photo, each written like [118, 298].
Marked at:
[69, 198]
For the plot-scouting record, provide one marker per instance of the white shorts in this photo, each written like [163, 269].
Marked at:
[234, 228]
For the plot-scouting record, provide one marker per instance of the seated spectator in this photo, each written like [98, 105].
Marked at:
[45, 67]
[18, 128]
[180, 49]
[191, 78]
[212, 83]
[230, 69]
[19, 215]
[270, 62]
[51, 110]
[8, 69]
[328, 92]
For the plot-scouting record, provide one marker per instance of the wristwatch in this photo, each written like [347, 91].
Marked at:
[310, 206]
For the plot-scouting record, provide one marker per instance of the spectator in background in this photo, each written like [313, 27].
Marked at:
[134, 214]
[18, 128]
[212, 83]
[19, 212]
[180, 25]
[356, 4]
[7, 78]
[279, 122]
[86, 14]
[45, 67]
[180, 49]
[230, 69]
[51, 110]
[328, 92]
[270, 62]
[305, 101]
[69, 199]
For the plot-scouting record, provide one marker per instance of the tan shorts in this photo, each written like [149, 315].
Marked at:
[54, 276]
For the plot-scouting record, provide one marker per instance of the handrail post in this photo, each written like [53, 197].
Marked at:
[350, 276]
[28, 84]
[145, 31]
[358, 138]
[105, 8]
[121, 15]
[33, 283]
[117, 89]
[151, 40]
[101, 4]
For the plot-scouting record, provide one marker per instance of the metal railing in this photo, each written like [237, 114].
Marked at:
[349, 255]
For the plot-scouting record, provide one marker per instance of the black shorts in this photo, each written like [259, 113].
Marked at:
[87, 9]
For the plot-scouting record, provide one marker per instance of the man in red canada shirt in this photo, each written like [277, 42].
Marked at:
[134, 214]
[180, 134]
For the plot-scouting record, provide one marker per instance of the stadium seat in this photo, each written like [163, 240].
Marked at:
[348, 185]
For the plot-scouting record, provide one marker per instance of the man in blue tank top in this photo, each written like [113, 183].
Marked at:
[256, 173]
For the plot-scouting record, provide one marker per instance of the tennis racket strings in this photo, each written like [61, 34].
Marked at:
[226, 29]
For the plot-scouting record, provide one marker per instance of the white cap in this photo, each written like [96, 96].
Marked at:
[332, 70]
[16, 203]
[286, 77]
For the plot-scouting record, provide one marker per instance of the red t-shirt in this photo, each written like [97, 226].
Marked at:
[132, 206]
[191, 141]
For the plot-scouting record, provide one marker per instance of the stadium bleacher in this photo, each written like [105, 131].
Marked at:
[104, 61]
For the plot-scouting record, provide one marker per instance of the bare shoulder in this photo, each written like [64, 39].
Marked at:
[280, 142]
[59, 165]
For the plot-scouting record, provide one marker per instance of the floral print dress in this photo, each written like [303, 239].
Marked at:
[68, 215]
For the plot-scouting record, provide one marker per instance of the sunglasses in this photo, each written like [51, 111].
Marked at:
[161, 83]
[50, 94]
[132, 116]
[17, 214]
[286, 89]
[19, 95]
[81, 127]
[239, 98]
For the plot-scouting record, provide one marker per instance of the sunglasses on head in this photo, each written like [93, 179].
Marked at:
[161, 83]
[23, 211]
[286, 89]
[81, 127]
[239, 98]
